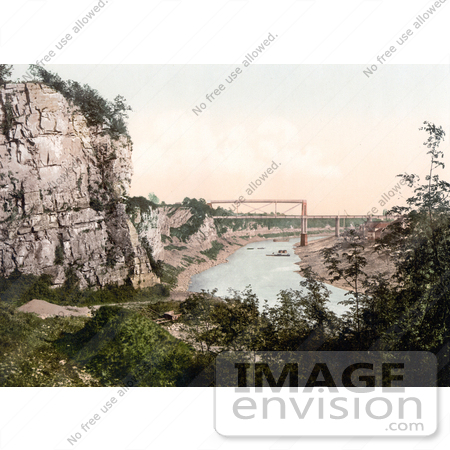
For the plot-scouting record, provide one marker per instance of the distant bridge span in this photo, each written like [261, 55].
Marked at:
[282, 215]
[242, 201]
[302, 217]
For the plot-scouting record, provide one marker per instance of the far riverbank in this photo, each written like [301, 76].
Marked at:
[310, 256]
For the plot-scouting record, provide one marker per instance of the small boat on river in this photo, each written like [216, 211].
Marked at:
[280, 253]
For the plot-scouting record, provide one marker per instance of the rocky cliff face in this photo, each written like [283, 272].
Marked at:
[154, 225]
[61, 194]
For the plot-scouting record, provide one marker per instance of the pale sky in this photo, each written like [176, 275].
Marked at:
[338, 137]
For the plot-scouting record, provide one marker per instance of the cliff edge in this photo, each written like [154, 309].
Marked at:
[62, 188]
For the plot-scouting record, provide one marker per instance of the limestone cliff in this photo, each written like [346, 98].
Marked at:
[62, 187]
[154, 225]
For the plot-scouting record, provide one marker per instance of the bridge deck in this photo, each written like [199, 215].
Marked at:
[256, 201]
[303, 217]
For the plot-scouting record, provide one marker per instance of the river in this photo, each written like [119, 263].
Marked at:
[266, 275]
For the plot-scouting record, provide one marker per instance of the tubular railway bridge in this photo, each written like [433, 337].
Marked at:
[302, 204]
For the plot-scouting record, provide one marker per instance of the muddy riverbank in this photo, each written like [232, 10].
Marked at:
[310, 256]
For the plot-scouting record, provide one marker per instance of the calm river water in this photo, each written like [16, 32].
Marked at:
[266, 275]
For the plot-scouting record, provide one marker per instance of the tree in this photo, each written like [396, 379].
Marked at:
[421, 245]
[348, 266]
[299, 315]
[153, 198]
[98, 111]
[5, 72]
[117, 344]
[286, 325]
[313, 302]
[197, 318]
[237, 321]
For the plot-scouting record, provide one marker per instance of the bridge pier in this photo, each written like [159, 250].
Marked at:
[303, 240]
[304, 227]
[336, 231]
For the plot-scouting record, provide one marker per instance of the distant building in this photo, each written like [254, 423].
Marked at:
[170, 315]
[374, 230]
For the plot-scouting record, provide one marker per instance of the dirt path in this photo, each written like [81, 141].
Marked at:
[45, 309]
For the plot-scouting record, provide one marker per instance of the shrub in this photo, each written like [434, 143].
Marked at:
[199, 210]
[118, 344]
[160, 290]
[96, 204]
[18, 289]
[96, 109]
[170, 275]
[212, 252]
[144, 205]
[8, 119]
[5, 72]
[59, 253]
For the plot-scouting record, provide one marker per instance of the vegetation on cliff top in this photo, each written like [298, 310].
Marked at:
[5, 72]
[199, 210]
[97, 110]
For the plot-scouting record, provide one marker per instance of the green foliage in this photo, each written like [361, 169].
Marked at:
[153, 198]
[160, 290]
[18, 289]
[197, 312]
[170, 275]
[236, 323]
[145, 206]
[59, 253]
[232, 323]
[171, 247]
[28, 354]
[97, 110]
[117, 344]
[5, 72]
[299, 316]
[421, 244]
[349, 265]
[8, 116]
[199, 210]
[212, 252]
[96, 204]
